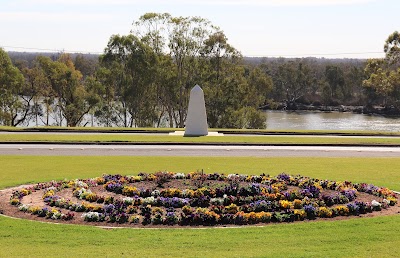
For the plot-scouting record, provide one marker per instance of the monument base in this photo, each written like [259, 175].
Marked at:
[182, 133]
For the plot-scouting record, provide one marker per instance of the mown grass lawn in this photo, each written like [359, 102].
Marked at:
[372, 237]
[366, 237]
[165, 130]
[157, 138]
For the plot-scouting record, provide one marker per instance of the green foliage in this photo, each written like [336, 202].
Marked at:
[292, 81]
[134, 62]
[335, 77]
[384, 74]
[392, 48]
[144, 79]
[11, 87]
[74, 96]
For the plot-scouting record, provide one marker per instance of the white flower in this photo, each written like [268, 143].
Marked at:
[127, 200]
[82, 191]
[155, 193]
[79, 183]
[90, 215]
[217, 201]
[148, 200]
[56, 215]
[179, 175]
[231, 176]
[374, 203]
[23, 207]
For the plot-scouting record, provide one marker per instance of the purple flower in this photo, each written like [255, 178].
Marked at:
[350, 194]
[353, 208]
[284, 177]
[310, 210]
[109, 208]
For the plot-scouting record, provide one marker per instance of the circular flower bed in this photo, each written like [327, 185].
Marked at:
[193, 199]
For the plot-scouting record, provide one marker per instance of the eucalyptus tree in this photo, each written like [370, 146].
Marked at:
[153, 29]
[292, 81]
[186, 40]
[335, 77]
[134, 87]
[219, 54]
[74, 97]
[234, 92]
[178, 42]
[354, 77]
[86, 65]
[108, 111]
[384, 74]
[11, 88]
[384, 82]
[392, 48]
[39, 88]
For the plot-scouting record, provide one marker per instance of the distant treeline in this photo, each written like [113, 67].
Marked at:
[143, 80]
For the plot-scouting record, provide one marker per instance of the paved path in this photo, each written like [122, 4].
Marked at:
[193, 150]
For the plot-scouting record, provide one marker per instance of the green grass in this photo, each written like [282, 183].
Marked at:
[88, 129]
[373, 237]
[21, 137]
[226, 130]
[366, 237]
[27, 169]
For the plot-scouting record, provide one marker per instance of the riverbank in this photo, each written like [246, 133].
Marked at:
[373, 110]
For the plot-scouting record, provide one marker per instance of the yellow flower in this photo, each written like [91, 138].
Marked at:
[300, 214]
[297, 204]
[342, 210]
[25, 191]
[48, 194]
[130, 191]
[151, 177]
[392, 200]
[233, 208]
[34, 209]
[285, 204]
[324, 212]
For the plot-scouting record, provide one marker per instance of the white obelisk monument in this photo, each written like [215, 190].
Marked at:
[196, 121]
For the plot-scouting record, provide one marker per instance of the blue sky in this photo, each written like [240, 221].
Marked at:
[289, 28]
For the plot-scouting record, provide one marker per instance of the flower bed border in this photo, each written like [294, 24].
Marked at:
[244, 200]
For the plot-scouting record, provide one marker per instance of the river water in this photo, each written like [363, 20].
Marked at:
[306, 120]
